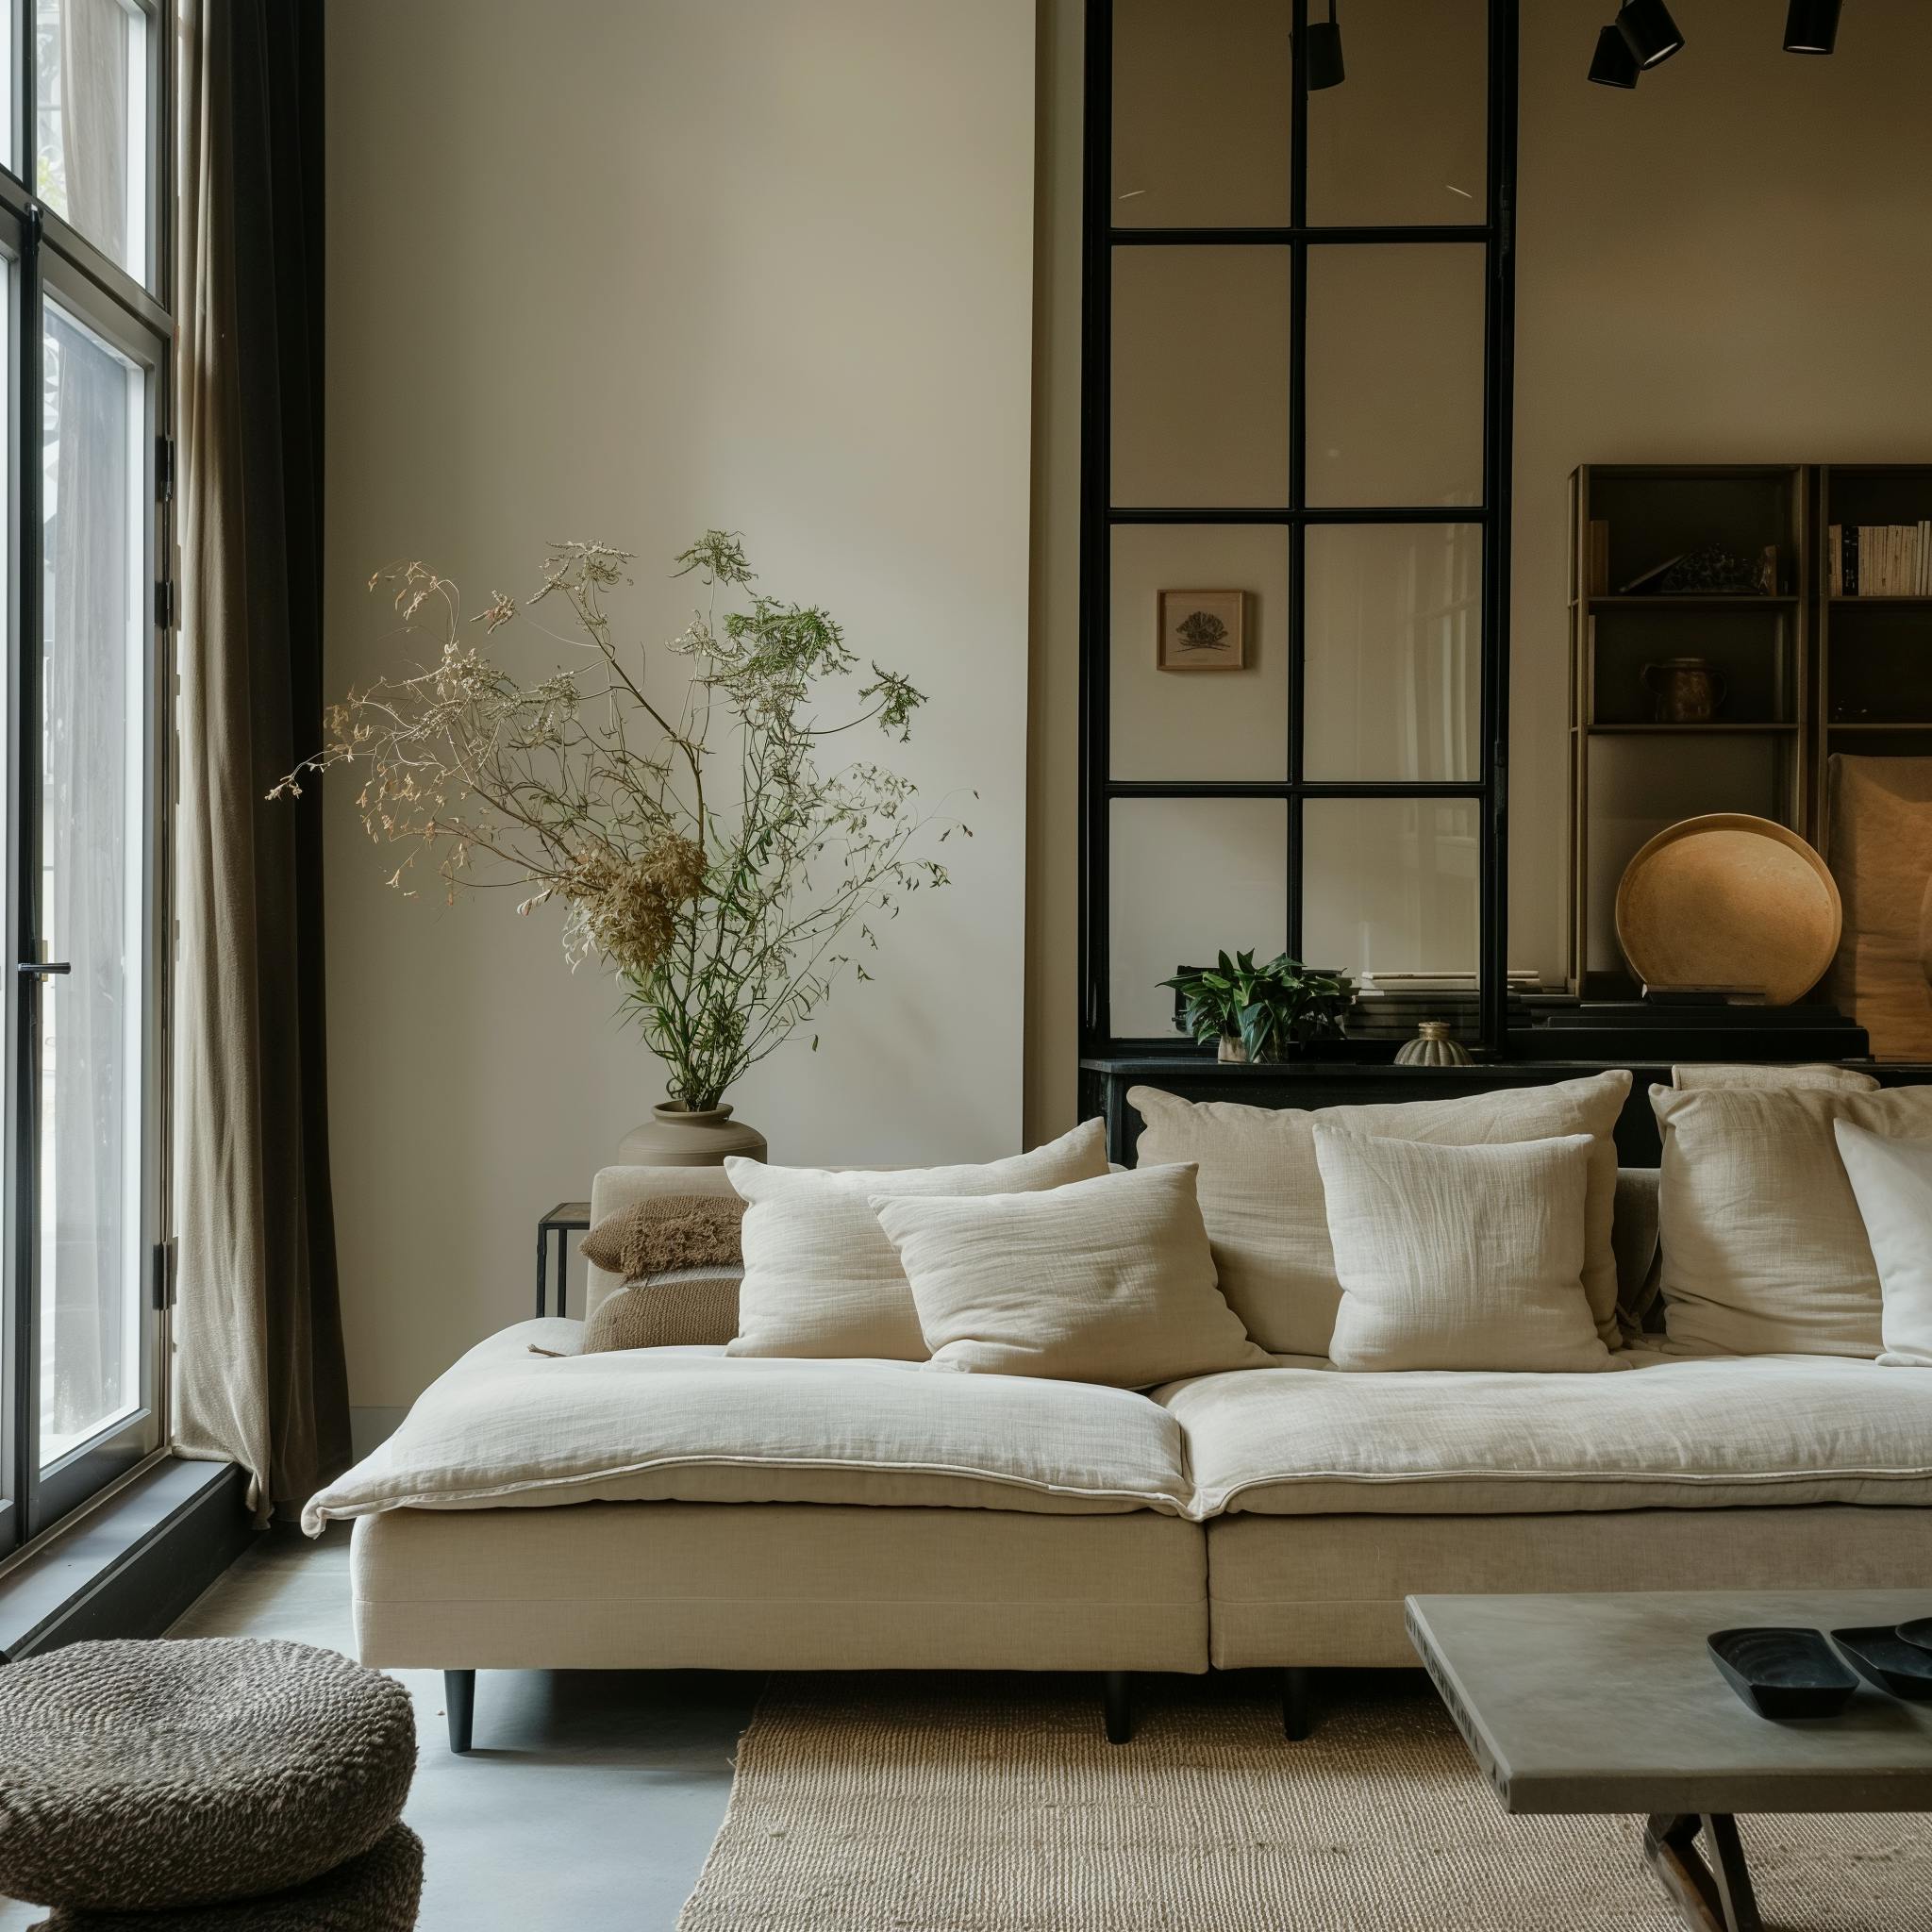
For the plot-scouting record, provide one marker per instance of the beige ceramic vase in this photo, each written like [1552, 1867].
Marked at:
[1432, 1046]
[674, 1136]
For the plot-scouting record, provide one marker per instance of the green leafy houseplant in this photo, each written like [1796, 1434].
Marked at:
[699, 841]
[1262, 1010]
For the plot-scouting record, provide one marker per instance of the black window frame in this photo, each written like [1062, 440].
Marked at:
[1100, 517]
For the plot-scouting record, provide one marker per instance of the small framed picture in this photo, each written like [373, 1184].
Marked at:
[1202, 630]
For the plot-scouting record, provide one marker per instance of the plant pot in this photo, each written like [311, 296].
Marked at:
[1231, 1053]
[675, 1136]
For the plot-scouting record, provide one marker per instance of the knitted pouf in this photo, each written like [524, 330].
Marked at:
[135, 1776]
[378, 1892]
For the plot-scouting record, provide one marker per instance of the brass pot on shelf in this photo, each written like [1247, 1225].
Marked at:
[1684, 691]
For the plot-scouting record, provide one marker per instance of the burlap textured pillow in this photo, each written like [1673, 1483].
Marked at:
[1891, 1181]
[1765, 1251]
[820, 1276]
[666, 1231]
[686, 1308]
[1459, 1257]
[1262, 1187]
[1108, 1280]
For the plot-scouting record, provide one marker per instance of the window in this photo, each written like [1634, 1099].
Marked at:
[1296, 393]
[84, 757]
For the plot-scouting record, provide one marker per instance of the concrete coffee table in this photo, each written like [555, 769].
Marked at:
[1611, 1702]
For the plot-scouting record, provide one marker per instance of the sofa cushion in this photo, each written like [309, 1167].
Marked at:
[1459, 1258]
[1811, 1074]
[1892, 1181]
[508, 1426]
[1668, 1433]
[1108, 1280]
[1764, 1249]
[822, 1281]
[1262, 1189]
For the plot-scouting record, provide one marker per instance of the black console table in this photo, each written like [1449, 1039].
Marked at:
[1195, 1075]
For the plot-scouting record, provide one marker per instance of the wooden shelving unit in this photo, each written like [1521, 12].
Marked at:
[1631, 774]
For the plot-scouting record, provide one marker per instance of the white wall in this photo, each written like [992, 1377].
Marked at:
[625, 272]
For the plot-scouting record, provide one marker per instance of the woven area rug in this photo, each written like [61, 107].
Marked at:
[994, 1805]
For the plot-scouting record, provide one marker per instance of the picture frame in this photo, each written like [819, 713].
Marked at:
[1201, 630]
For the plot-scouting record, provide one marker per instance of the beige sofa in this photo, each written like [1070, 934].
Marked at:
[672, 1507]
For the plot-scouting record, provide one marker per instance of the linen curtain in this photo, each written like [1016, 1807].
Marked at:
[259, 1375]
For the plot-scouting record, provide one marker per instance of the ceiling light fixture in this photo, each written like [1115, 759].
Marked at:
[1811, 27]
[1649, 29]
[1324, 53]
[1613, 64]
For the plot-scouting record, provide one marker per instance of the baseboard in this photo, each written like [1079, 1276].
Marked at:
[369, 1428]
[133, 1565]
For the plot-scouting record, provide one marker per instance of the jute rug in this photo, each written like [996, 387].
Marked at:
[996, 1805]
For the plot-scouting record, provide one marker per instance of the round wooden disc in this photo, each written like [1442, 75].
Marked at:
[1728, 900]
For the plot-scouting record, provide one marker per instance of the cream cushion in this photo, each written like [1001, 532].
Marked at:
[1668, 1433]
[820, 1280]
[506, 1426]
[1459, 1258]
[1108, 1280]
[1891, 1181]
[1764, 1248]
[1746, 1073]
[1260, 1187]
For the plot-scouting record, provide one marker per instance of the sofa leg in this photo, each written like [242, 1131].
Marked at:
[1118, 1697]
[459, 1700]
[1297, 1702]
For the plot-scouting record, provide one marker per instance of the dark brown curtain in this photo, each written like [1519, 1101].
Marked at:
[259, 1372]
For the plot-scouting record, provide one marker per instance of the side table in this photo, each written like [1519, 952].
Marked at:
[566, 1219]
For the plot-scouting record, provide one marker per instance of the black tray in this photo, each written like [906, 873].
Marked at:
[1882, 1657]
[1918, 1631]
[1782, 1674]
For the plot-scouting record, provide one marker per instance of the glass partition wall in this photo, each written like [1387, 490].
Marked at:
[85, 755]
[1295, 490]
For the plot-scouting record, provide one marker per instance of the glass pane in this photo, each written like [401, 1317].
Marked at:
[91, 886]
[1403, 137]
[1182, 723]
[91, 141]
[1395, 375]
[1394, 680]
[1391, 883]
[1201, 94]
[1200, 376]
[1190, 877]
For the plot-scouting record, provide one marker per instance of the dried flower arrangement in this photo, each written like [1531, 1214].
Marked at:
[718, 914]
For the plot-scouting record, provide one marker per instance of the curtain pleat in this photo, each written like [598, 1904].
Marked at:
[259, 1375]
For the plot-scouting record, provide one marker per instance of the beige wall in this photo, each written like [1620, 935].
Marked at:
[625, 271]
[1732, 263]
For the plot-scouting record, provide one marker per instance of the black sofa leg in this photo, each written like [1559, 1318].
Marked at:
[459, 1699]
[1119, 1702]
[1297, 1702]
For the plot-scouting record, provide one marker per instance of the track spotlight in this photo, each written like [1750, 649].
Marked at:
[1811, 27]
[1651, 32]
[1613, 64]
[1324, 52]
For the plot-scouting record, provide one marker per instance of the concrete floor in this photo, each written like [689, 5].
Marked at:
[592, 1796]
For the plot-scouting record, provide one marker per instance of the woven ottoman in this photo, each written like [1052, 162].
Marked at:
[142, 1776]
[379, 1891]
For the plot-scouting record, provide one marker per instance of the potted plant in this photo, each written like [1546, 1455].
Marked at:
[698, 845]
[1256, 1013]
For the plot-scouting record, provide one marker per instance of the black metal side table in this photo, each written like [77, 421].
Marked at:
[566, 1219]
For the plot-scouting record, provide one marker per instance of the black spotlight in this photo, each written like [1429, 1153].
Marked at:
[1324, 52]
[1651, 32]
[1613, 64]
[1811, 27]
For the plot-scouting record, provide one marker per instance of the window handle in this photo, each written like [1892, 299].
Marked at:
[43, 967]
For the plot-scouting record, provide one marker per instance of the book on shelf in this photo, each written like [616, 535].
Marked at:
[1878, 560]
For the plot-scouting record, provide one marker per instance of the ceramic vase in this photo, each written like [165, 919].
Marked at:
[1432, 1047]
[675, 1136]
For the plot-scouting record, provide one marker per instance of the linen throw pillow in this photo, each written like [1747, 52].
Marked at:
[1262, 1187]
[1108, 1280]
[1765, 1251]
[1459, 1257]
[821, 1278]
[1745, 1074]
[1892, 1183]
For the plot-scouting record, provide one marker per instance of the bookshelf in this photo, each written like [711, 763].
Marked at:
[1636, 531]
[1875, 652]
